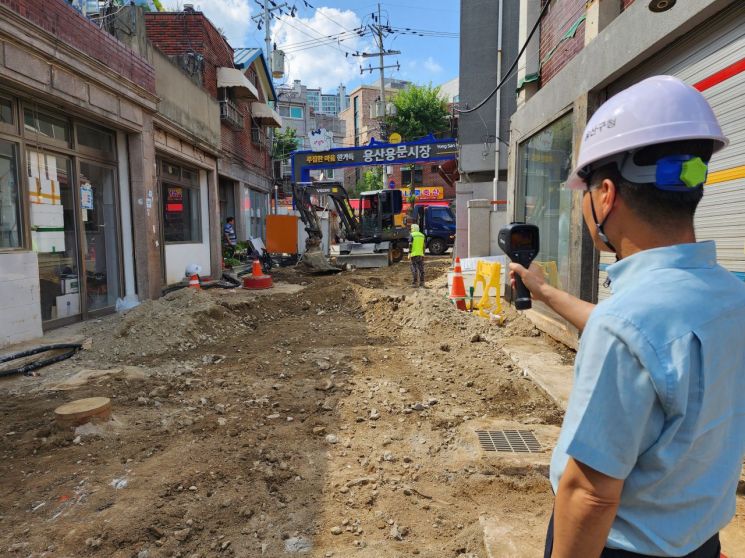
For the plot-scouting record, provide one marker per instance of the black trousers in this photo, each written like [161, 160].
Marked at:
[417, 269]
[710, 549]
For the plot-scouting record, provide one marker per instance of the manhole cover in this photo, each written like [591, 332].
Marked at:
[513, 441]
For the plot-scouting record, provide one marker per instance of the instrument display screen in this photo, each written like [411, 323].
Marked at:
[522, 239]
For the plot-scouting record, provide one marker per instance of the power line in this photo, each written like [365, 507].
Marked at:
[318, 11]
[313, 43]
[334, 37]
[318, 35]
[514, 63]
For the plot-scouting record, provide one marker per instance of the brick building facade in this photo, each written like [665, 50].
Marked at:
[563, 34]
[245, 170]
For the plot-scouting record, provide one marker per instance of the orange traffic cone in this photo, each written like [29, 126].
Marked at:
[194, 282]
[257, 279]
[458, 288]
[256, 269]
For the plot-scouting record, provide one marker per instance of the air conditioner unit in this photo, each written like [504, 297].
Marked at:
[277, 63]
[377, 110]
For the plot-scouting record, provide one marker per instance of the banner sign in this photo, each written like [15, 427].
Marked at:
[375, 153]
[429, 193]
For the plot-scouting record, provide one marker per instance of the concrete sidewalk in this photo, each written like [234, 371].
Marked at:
[543, 365]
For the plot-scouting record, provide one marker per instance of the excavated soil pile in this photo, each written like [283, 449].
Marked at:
[176, 323]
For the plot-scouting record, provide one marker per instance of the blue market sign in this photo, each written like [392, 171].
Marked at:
[375, 153]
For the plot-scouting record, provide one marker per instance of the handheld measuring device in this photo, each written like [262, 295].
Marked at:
[520, 242]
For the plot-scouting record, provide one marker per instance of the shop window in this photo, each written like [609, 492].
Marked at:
[181, 213]
[6, 112]
[7, 120]
[545, 161]
[54, 218]
[46, 126]
[169, 170]
[412, 176]
[181, 205]
[95, 139]
[190, 176]
[10, 207]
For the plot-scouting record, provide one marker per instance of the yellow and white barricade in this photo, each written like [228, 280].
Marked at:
[490, 275]
[550, 272]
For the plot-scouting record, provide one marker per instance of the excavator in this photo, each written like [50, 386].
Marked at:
[369, 238]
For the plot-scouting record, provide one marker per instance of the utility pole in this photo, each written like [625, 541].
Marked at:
[265, 19]
[382, 69]
[378, 30]
[267, 35]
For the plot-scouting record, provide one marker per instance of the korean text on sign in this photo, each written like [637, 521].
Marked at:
[397, 153]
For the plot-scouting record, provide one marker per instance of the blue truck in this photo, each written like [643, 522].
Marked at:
[437, 223]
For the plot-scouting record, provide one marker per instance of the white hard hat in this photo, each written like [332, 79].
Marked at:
[660, 109]
[193, 269]
[415, 228]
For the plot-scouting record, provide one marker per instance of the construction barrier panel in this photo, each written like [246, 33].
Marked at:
[281, 234]
[489, 274]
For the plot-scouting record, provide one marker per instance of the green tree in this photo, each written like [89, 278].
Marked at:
[285, 142]
[420, 110]
[371, 179]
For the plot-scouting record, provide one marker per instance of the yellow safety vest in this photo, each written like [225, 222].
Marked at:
[417, 244]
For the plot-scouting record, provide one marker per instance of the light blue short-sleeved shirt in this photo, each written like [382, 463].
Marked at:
[659, 398]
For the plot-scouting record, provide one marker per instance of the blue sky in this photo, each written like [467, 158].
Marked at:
[422, 59]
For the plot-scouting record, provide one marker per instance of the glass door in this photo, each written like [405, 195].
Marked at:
[100, 239]
[54, 234]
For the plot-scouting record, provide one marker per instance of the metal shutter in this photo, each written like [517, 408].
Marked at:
[714, 46]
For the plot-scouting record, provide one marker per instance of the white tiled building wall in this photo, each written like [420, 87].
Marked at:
[20, 308]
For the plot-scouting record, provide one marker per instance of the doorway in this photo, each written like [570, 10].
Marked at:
[227, 199]
[100, 238]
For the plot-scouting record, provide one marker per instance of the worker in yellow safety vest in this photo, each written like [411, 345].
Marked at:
[416, 255]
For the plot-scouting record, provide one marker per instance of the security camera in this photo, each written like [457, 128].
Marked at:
[658, 6]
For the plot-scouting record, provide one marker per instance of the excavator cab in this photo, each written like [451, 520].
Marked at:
[378, 209]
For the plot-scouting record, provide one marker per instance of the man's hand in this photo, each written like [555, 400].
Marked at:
[533, 279]
[569, 307]
[586, 505]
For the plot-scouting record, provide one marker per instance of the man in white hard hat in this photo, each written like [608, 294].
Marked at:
[652, 445]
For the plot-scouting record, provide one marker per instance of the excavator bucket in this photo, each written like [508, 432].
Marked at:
[314, 260]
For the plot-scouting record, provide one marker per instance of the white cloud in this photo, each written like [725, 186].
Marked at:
[323, 66]
[432, 66]
[233, 17]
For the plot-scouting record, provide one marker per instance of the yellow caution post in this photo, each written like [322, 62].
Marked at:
[490, 275]
[550, 272]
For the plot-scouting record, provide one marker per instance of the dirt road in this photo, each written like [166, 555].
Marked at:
[334, 417]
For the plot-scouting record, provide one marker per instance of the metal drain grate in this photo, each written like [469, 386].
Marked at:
[513, 441]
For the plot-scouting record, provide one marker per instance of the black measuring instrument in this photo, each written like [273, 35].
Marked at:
[520, 242]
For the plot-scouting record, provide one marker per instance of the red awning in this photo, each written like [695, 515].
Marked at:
[448, 170]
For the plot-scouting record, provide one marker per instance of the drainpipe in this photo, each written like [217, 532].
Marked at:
[497, 147]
